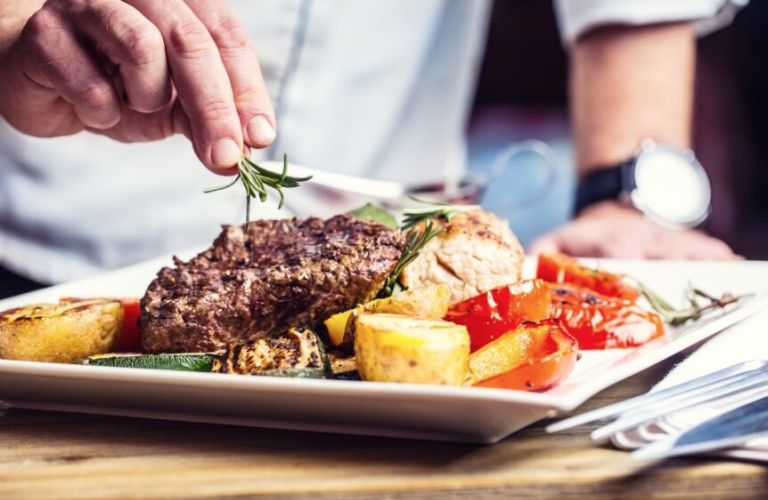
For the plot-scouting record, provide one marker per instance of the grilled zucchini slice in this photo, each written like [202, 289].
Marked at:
[343, 366]
[296, 353]
[190, 362]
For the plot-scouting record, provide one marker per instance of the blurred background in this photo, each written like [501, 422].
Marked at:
[522, 94]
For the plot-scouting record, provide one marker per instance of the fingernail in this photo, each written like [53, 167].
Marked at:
[260, 132]
[225, 153]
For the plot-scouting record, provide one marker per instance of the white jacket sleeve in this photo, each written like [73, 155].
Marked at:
[576, 17]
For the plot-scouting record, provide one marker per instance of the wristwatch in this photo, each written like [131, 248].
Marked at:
[666, 183]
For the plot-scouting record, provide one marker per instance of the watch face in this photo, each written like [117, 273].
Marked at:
[671, 187]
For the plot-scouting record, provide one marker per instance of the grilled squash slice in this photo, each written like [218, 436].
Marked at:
[394, 348]
[60, 333]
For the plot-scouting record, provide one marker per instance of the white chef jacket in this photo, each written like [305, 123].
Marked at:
[366, 87]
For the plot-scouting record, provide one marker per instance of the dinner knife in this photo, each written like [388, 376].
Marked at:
[731, 428]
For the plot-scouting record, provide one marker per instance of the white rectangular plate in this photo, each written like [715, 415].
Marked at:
[400, 410]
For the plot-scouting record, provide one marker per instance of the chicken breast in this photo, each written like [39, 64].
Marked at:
[476, 252]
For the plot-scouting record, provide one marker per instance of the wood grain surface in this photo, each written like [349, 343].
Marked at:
[56, 455]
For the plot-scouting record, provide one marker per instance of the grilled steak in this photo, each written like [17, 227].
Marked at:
[475, 253]
[274, 275]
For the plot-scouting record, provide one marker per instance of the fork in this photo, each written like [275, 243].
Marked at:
[723, 387]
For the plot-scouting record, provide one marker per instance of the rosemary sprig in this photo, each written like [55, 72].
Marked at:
[256, 180]
[415, 241]
[420, 226]
[416, 216]
[693, 311]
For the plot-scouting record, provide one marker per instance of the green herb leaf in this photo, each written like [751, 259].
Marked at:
[256, 180]
[375, 213]
[415, 216]
[419, 222]
[416, 240]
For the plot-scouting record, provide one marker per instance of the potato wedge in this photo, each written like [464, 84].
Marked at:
[430, 302]
[395, 348]
[60, 333]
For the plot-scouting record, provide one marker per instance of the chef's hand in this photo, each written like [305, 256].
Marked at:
[609, 229]
[139, 70]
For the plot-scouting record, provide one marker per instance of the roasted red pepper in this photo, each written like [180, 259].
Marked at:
[491, 314]
[130, 338]
[533, 357]
[560, 268]
[600, 322]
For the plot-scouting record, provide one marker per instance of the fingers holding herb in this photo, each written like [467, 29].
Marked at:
[241, 62]
[201, 80]
[137, 70]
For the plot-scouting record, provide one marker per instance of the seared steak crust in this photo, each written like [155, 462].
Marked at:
[274, 275]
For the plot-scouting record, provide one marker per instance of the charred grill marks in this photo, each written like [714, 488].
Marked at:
[273, 275]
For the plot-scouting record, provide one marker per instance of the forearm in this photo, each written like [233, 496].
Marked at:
[13, 16]
[628, 84]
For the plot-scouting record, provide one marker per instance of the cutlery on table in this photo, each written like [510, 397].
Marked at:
[732, 428]
[740, 391]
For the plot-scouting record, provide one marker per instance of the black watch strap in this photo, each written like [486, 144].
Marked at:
[605, 183]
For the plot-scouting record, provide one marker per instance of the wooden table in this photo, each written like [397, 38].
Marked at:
[56, 455]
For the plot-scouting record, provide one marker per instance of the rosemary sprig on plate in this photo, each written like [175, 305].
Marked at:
[419, 227]
[677, 316]
[415, 216]
[416, 240]
[256, 180]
